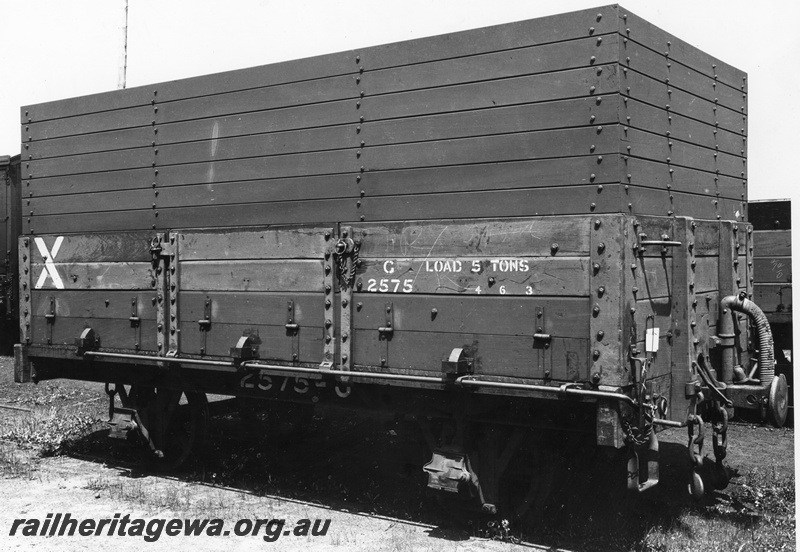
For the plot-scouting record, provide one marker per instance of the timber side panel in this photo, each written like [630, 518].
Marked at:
[479, 285]
[101, 281]
[262, 316]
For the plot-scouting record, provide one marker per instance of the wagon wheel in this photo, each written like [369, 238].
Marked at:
[778, 405]
[527, 485]
[175, 421]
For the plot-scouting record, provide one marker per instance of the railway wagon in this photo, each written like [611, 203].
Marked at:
[511, 234]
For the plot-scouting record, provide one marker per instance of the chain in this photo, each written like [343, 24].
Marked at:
[640, 436]
[349, 252]
[720, 435]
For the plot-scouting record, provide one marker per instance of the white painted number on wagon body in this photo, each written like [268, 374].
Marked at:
[390, 285]
[49, 266]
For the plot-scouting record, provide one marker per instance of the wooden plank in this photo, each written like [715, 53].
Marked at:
[658, 94]
[277, 96]
[92, 182]
[323, 211]
[89, 222]
[270, 275]
[657, 148]
[262, 145]
[512, 203]
[84, 123]
[93, 162]
[772, 270]
[317, 67]
[88, 202]
[103, 101]
[273, 341]
[95, 304]
[99, 247]
[284, 243]
[113, 333]
[276, 166]
[538, 58]
[276, 120]
[659, 120]
[495, 120]
[489, 149]
[659, 202]
[494, 355]
[565, 276]
[573, 83]
[566, 316]
[666, 176]
[105, 275]
[636, 28]
[91, 143]
[538, 173]
[665, 69]
[771, 243]
[253, 308]
[258, 191]
[542, 30]
[501, 238]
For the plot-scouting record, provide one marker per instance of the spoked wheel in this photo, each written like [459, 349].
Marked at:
[175, 422]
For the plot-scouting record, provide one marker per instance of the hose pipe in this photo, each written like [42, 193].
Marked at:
[766, 353]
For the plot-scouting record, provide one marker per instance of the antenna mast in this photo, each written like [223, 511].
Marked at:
[123, 71]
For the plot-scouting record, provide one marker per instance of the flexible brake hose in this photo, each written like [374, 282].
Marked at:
[766, 354]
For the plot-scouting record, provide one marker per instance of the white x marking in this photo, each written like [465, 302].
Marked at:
[49, 265]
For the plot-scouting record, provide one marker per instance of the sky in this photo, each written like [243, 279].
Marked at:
[57, 49]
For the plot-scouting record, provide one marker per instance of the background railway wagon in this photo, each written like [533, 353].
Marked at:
[772, 275]
[473, 228]
[10, 229]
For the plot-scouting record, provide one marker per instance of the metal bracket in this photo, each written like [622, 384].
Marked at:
[246, 349]
[86, 342]
[457, 364]
[205, 324]
[541, 342]
[292, 331]
[50, 316]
